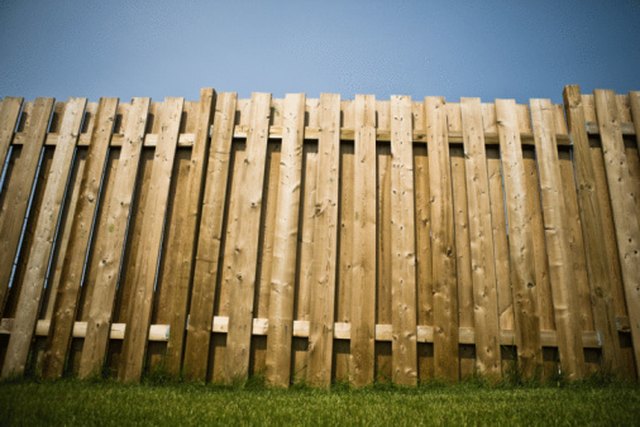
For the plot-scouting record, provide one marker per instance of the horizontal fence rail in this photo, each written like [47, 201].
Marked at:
[320, 240]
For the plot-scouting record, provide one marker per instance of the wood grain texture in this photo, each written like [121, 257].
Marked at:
[325, 244]
[109, 253]
[483, 255]
[283, 270]
[363, 269]
[527, 321]
[80, 230]
[443, 252]
[634, 102]
[139, 317]
[623, 205]
[403, 245]
[179, 275]
[565, 301]
[241, 256]
[40, 254]
[9, 113]
[207, 266]
[16, 197]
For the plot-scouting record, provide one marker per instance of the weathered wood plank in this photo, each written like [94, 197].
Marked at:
[283, 270]
[363, 267]
[634, 101]
[325, 237]
[9, 113]
[522, 270]
[341, 348]
[443, 259]
[40, 254]
[209, 237]
[109, 253]
[80, 230]
[179, 275]
[562, 276]
[483, 255]
[403, 245]
[384, 307]
[16, 197]
[623, 204]
[241, 256]
[139, 308]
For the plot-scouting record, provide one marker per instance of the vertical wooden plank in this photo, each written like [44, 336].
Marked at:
[499, 222]
[180, 274]
[16, 198]
[341, 347]
[423, 256]
[466, 353]
[109, 253]
[9, 112]
[39, 256]
[80, 230]
[527, 322]
[209, 238]
[283, 270]
[305, 256]
[325, 244]
[556, 232]
[257, 365]
[634, 101]
[242, 253]
[445, 298]
[363, 268]
[139, 318]
[625, 215]
[483, 256]
[403, 246]
[576, 242]
[384, 307]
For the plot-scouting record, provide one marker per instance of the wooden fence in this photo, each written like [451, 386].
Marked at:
[320, 240]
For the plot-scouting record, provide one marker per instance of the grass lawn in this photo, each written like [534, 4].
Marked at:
[72, 402]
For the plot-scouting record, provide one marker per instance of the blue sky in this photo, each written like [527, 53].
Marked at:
[492, 49]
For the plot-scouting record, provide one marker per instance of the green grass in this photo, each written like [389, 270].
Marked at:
[72, 402]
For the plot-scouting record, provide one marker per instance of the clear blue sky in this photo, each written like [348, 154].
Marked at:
[491, 49]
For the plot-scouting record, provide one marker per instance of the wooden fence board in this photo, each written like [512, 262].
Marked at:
[80, 230]
[305, 257]
[16, 197]
[180, 276]
[445, 306]
[241, 257]
[265, 250]
[423, 257]
[634, 101]
[283, 270]
[209, 238]
[624, 209]
[520, 242]
[565, 300]
[138, 320]
[383, 350]
[466, 353]
[325, 244]
[35, 277]
[403, 249]
[483, 258]
[363, 267]
[341, 347]
[9, 113]
[110, 252]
